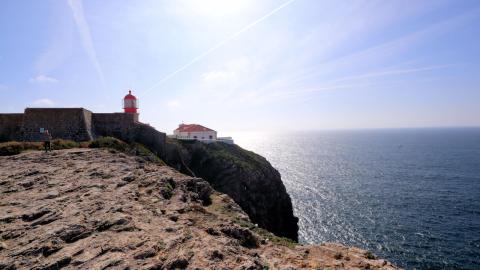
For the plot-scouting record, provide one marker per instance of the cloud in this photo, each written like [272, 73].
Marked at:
[372, 75]
[86, 37]
[233, 72]
[173, 103]
[218, 76]
[43, 102]
[43, 79]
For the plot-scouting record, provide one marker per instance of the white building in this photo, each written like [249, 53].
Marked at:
[194, 132]
[198, 132]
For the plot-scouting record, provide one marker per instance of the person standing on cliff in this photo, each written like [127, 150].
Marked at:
[47, 141]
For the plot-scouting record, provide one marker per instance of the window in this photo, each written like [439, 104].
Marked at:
[194, 137]
[210, 137]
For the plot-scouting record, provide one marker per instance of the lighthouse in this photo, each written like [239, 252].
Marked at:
[130, 104]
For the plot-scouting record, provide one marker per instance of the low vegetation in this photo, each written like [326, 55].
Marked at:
[232, 153]
[15, 148]
[128, 148]
[10, 148]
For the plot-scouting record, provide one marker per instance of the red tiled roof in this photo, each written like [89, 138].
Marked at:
[192, 128]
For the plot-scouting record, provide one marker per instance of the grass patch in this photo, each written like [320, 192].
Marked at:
[121, 146]
[167, 191]
[59, 144]
[218, 151]
[110, 143]
[10, 148]
[15, 148]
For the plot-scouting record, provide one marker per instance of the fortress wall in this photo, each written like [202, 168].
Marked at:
[78, 124]
[118, 125]
[63, 123]
[126, 127]
[151, 138]
[10, 127]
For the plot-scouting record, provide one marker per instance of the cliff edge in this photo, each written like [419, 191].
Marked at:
[249, 179]
[102, 209]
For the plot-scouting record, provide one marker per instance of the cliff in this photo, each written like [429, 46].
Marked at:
[102, 209]
[246, 177]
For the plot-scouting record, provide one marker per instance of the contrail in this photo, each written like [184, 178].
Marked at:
[391, 72]
[82, 25]
[220, 44]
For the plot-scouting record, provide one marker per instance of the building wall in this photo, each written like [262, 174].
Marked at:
[11, 126]
[62, 123]
[200, 135]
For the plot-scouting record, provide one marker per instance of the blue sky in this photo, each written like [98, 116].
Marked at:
[248, 65]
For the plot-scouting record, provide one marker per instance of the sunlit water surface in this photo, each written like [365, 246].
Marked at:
[411, 196]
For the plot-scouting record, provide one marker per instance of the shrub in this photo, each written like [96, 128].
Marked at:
[58, 144]
[114, 144]
[167, 191]
[14, 148]
[10, 148]
[132, 149]
[369, 255]
[32, 146]
[109, 142]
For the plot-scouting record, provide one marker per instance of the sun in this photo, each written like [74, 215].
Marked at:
[219, 8]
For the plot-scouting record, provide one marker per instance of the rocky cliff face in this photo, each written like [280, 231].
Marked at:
[101, 209]
[246, 177]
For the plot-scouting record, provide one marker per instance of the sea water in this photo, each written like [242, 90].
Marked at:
[411, 196]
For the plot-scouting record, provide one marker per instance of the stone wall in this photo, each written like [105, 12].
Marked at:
[125, 126]
[118, 125]
[78, 124]
[62, 123]
[151, 138]
[10, 127]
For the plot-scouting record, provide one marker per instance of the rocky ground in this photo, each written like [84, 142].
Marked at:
[101, 209]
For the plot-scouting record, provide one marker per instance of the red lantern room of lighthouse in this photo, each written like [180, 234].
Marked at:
[130, 104]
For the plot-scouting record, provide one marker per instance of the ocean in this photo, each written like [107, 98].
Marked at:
[411, 196]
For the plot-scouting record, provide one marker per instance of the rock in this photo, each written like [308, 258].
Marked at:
[176, 263]
[201, 190]
[246, 238]
[34, 215]
[129, 178]
[58, 264]
[73, 233]
[145, 254]
[216, 255]
[212, 231]
[51, 217]
[117, 223]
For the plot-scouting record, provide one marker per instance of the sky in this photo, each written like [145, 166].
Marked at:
[248, 65]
